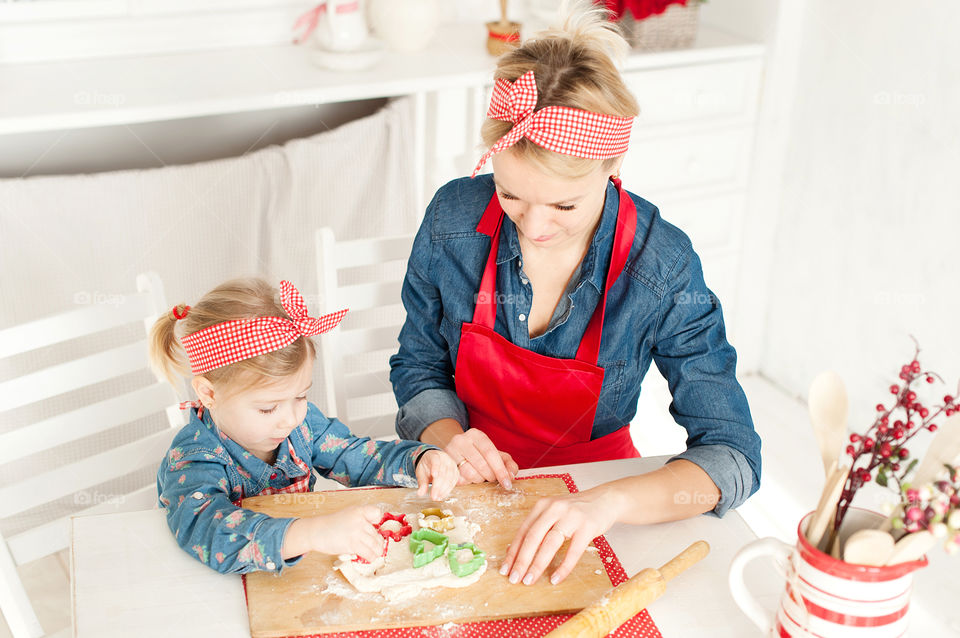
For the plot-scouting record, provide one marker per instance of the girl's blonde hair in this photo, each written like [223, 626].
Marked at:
[245, 298]
[574, 66]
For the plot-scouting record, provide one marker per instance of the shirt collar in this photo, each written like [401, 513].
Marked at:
[510, 241]
[255, 466]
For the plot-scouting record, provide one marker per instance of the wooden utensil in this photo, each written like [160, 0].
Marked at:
[625, 600]
[944, 449]
[828, 407]
[502, 35]
[827, 507]
[911, 547]
[868, 547]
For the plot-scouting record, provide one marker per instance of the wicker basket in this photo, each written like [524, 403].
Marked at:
[675, 28]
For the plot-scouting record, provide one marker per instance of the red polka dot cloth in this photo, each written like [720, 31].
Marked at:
[233, 341]
[640, 626]
[558, 128]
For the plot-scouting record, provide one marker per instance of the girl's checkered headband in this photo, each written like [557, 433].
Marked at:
[233, 341]
[558, 128]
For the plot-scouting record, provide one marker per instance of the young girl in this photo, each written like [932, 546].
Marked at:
[253, 432]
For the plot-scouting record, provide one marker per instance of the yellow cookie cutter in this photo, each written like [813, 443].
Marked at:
[444, 521]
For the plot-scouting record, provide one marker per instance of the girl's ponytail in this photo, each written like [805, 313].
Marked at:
[166, 354]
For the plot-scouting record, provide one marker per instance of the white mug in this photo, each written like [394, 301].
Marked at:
[341, 25]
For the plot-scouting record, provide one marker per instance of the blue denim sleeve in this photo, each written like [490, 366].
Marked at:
[353, 461]
[692, 353]
[422, 370]
[209, 527]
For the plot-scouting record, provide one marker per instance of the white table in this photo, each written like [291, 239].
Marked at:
[131, 579]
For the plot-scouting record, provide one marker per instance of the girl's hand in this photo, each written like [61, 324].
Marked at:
[438, 468]
[578, 517]
[479, 460]
[348, 531]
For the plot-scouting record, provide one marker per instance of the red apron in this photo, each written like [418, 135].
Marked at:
[537, 408]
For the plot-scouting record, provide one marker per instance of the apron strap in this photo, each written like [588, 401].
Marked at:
[589, 350]
[485, 310]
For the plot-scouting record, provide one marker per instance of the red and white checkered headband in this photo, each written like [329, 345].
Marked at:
[558, 128]
[232, 341]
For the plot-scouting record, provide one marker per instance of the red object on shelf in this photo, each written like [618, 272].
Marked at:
[640, 626]
[640, 9]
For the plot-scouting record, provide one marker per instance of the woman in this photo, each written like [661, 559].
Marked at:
[537, 297]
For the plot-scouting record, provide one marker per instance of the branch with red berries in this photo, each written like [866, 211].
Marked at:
[882, 453]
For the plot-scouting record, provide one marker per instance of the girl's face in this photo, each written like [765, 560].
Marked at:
[549, 211]
[261, 417]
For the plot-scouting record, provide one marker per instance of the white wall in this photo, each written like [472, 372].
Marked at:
[870, 201]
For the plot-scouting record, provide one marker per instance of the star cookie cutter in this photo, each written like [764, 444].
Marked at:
[443, 521]
[423, 556]
[383, 554]
[462, 569]
[394, 535]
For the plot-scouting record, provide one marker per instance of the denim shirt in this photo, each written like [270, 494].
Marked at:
[658, 310]
[205, 473]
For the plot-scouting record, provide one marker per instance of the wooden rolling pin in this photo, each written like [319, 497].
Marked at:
[625, 600]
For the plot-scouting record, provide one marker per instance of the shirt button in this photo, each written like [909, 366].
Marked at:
[522, 317]
[270, 565]
[273, 476]
[197, 495]
[524, 281]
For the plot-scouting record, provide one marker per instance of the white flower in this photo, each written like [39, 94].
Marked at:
[926, 493]
[954, 520]
[939, 530]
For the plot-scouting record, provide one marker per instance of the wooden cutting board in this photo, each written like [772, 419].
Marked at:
[312, 598]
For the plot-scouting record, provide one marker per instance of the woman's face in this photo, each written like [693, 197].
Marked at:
[549, 211]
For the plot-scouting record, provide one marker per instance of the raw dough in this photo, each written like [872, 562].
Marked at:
[397, 579]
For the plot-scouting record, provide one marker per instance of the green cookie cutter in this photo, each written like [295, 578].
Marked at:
[423, 556]
[467, 568]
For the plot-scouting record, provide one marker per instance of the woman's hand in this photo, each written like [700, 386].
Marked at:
[579, 517]
[480, 461]
[475, 454]
[438, 468]
[348, 531]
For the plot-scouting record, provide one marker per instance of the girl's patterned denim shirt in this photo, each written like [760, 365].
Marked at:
[205, 474]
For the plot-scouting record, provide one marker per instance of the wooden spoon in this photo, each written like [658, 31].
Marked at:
[911, 547]
[504, 23]
[827, 507]
[868, 547]
[828, 406]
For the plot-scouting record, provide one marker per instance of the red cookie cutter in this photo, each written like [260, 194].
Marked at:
[383, 554]
[405, 528]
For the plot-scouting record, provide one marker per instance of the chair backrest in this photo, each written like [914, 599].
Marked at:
[364, 275]
[73, 462]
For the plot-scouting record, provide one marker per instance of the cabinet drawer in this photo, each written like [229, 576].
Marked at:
[687, 94]
[655, 167]
[711, 222]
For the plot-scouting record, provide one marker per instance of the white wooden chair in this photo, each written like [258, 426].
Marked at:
[364, 275]
[45, 485]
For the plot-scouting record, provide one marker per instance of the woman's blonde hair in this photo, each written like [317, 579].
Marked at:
[574, 66]
[245, 298]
